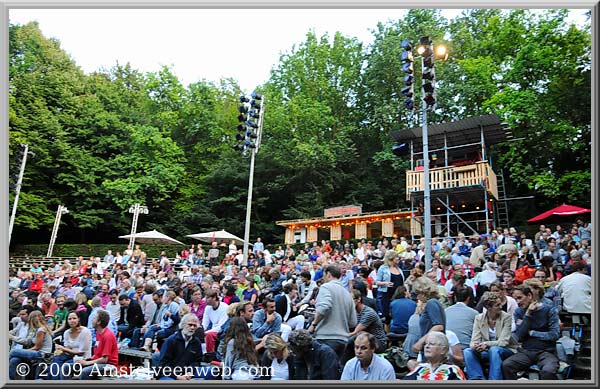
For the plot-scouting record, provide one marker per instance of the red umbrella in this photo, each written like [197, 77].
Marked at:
[561, 210]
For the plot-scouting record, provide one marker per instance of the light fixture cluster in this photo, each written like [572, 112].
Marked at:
[250, 119]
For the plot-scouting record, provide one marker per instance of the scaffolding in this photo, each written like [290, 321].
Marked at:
[463, 184]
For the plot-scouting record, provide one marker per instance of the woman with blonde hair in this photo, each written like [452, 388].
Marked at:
[491, 340]
[277, 360]
[83, 308]
[433, 316]
[40, 341]
[389, 277]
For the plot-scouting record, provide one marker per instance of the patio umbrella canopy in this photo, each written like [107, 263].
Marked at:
[217, 236]
[152, 237]
[561, 212]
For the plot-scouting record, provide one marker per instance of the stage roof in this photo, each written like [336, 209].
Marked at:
[457, 133]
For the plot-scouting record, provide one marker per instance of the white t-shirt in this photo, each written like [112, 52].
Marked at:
[279, 371]
[232, 249]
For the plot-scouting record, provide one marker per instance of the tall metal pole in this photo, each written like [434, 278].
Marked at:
[251, 180]
[249, 206]
[61, 211]
[426, 192]
[17, 191]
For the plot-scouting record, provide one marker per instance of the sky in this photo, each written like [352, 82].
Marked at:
[197, 44]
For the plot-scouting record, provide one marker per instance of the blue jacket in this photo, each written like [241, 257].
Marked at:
[260, 327]
[276, 286]
[174, 353]
[544, 325]
[383, 275]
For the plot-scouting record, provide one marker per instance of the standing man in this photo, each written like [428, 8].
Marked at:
[366, 366]
[538, 329]
[258, 246]
[335, 312]
[213, 255]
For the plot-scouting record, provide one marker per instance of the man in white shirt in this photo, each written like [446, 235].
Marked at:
[215, 315]
[576, 290]
[18, 335]
[113, 307]
[185, 273]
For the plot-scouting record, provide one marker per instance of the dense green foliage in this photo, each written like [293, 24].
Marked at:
[106, 140]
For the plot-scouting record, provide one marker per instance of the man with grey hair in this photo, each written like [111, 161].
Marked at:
[335, 312]
[182, 350]
[97, 306]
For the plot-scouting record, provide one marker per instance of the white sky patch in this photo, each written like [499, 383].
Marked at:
[209, 44]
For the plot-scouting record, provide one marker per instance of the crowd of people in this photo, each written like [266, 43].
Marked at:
[488, 308]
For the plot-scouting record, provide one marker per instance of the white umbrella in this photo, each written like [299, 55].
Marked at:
[152, 237]
[218, 236]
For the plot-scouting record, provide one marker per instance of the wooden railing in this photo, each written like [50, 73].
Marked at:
[453, 177]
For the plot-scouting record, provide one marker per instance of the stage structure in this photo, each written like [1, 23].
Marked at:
[464, 187]
[467, 195]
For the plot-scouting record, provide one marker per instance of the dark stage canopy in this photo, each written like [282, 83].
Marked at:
[457, 133]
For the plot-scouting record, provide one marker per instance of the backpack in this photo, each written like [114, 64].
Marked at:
[397, 357]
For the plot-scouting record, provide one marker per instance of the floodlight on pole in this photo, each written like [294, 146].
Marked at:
[135, 209]
[250, 141]
[428, 78]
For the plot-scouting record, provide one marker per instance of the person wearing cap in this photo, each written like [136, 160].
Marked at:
[313, 360]
[185, 273]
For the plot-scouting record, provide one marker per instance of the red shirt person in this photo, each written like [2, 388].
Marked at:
[36, 284]
[106, 354]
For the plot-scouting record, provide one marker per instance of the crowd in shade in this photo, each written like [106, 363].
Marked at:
[488, 308]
